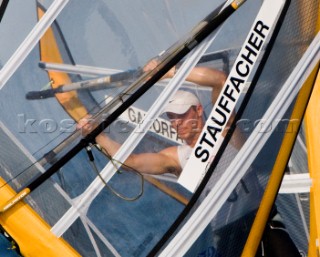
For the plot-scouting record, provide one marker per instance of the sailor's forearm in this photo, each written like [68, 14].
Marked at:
[207, 77]
[109, 146]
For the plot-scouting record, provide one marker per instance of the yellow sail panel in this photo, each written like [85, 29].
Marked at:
[29, 230]
[49, 52]
[278, 169]
[312, 122]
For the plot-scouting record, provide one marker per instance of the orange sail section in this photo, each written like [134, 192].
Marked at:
[29, 230]
[312, 122]
[21, 222]
[313, 143]
[276, 176]
[49, 52]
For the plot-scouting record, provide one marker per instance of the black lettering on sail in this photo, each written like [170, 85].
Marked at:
[165, 128]
[205, 140]
[228, 92]
[199, 152]
[260, 27]
[223, 104]
[222, 119]
[156, 126]
[213, 131]
[236, 83]
[242, 69]
[132, 115]
[140, 117]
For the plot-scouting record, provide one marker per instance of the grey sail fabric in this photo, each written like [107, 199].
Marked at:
[98, 205]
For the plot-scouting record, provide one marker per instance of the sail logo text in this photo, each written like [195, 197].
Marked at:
[231, 91]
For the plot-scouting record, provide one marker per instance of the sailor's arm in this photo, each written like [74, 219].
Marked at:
[166, 161]
[109, 146]
[204, 76]
[149, 163]
[209, 77]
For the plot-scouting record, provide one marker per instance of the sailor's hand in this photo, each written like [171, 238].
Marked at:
[86, 125]
[150, 65]
[153, 64]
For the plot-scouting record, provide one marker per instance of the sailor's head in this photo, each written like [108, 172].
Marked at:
[185, 111]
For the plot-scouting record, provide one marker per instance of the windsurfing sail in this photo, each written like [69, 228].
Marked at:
[214, 197]
[88, 200]
[46, 137]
